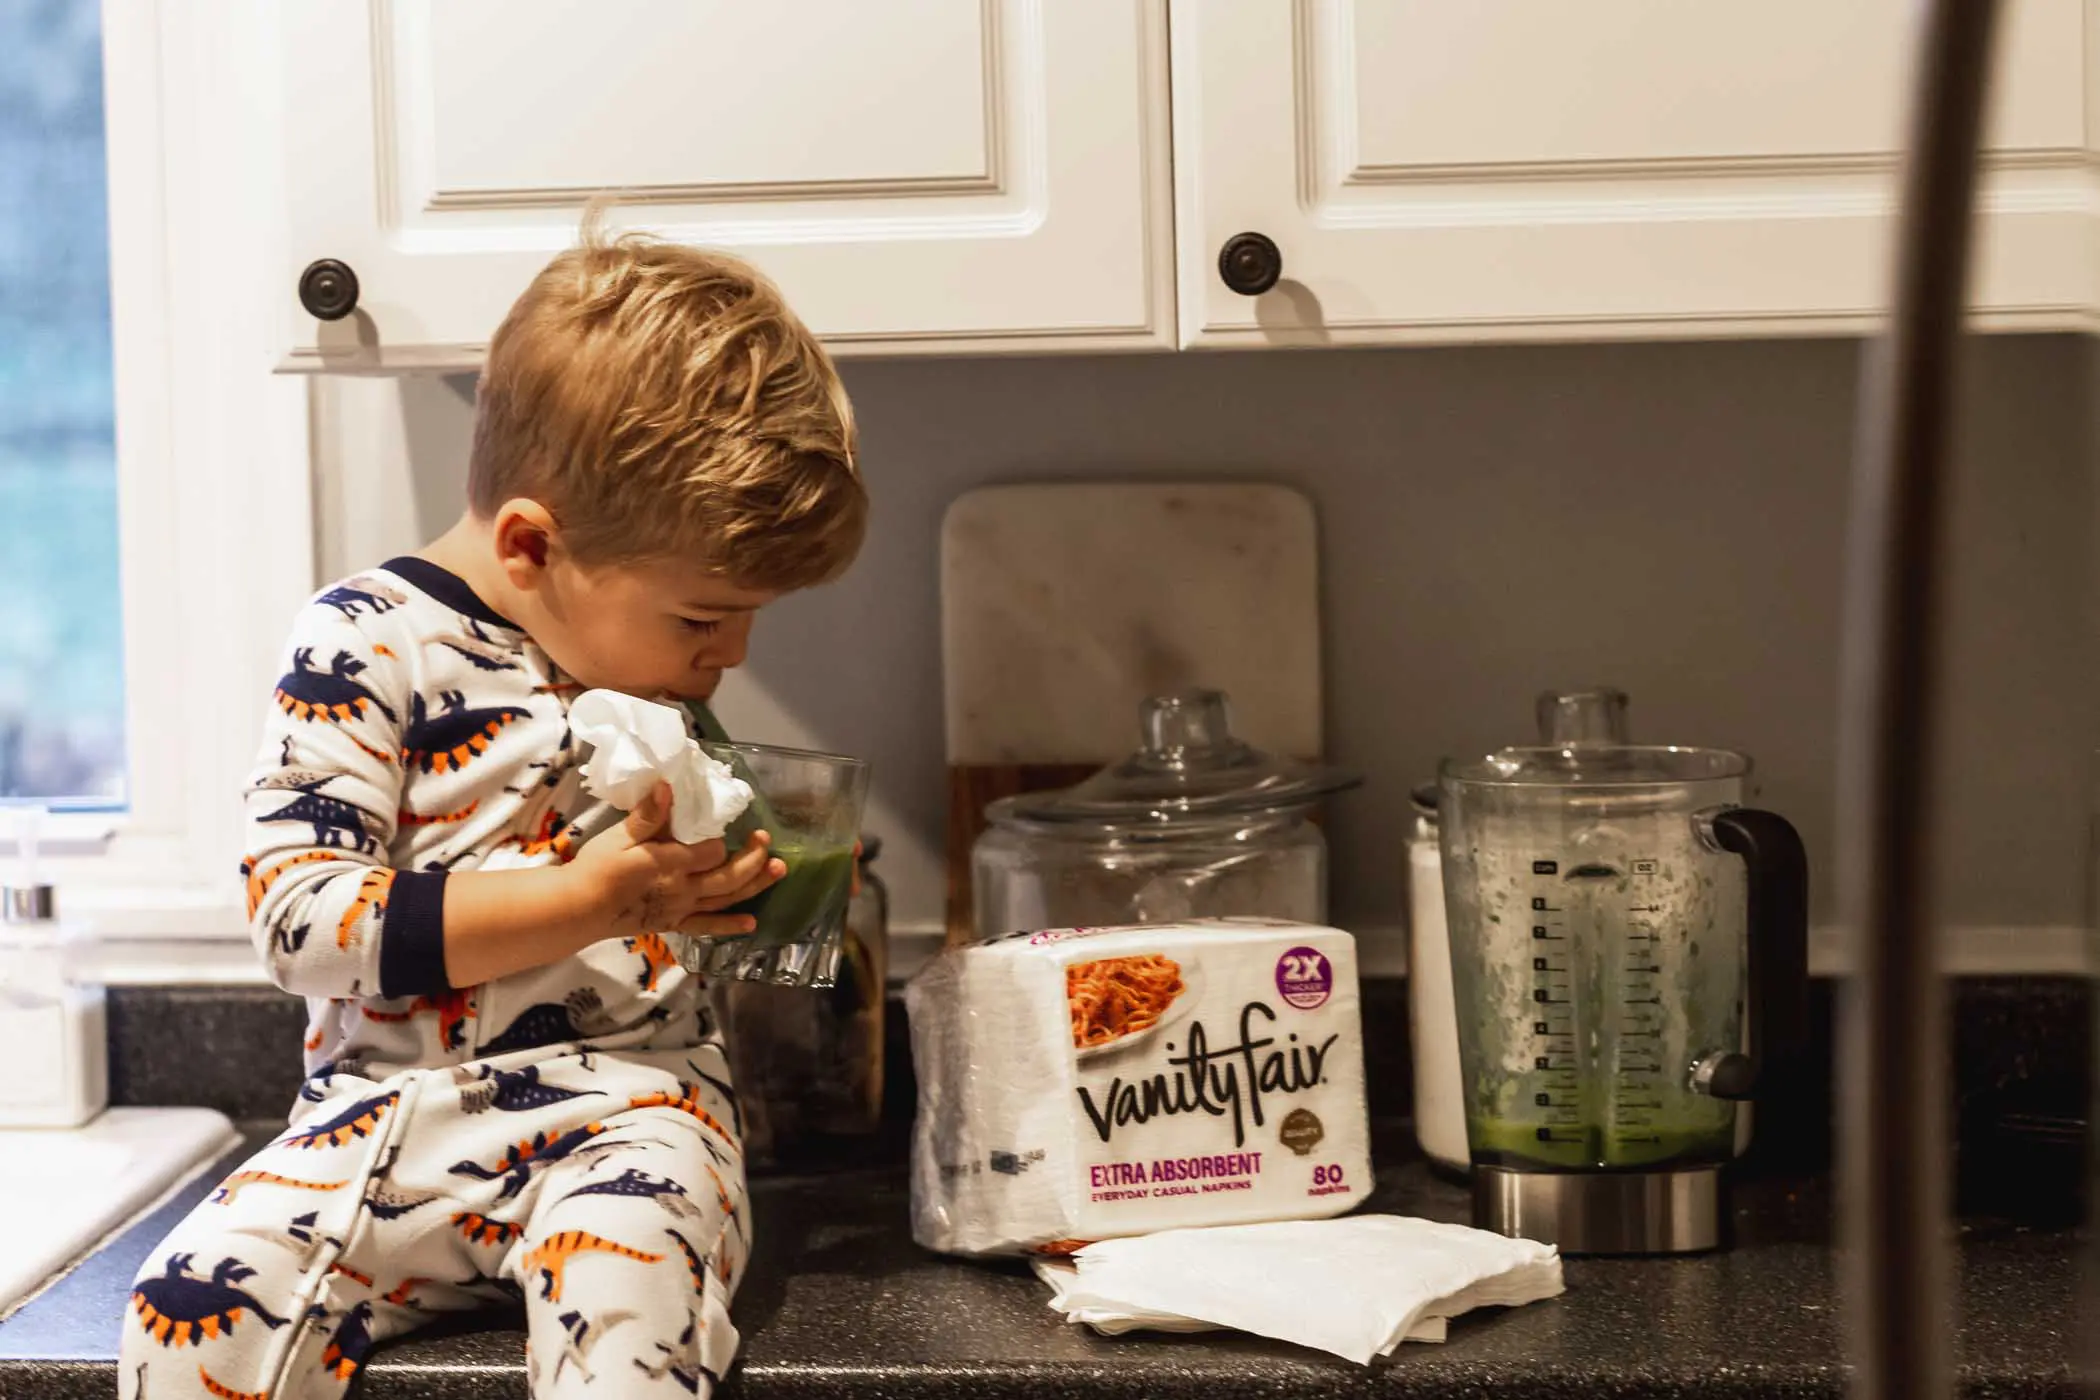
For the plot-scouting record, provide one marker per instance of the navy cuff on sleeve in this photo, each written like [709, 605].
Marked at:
[412, 937]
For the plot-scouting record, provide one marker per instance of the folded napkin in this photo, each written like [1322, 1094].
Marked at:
[1357, 1286]
[636, 744]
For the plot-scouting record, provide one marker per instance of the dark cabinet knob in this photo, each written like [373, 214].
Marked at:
[1250, 263]
[328, 289]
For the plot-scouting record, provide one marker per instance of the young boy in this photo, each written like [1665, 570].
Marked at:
[513, 1089]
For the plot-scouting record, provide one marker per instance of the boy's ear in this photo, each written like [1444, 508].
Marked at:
[525, 536]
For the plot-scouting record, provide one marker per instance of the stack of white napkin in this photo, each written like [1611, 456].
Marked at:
[1358, 1286]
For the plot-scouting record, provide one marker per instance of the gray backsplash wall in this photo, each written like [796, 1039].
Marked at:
[1666, 518]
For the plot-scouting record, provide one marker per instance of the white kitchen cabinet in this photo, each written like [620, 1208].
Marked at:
[1438, 170]
[917, 174]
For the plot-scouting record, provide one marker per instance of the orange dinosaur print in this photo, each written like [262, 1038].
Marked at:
[721, 1193]
[688, 1102]
[232, 1185]
[479, 1229]
[347, 1272]
[371, 898]
[454, 1009]
[552, 835]
[381, 754]
[657, 958]
[382, 649]
[553, 1255]
[408, 818]
[400, 1294]
[693, 1263]
[227, 1392]
[260, 878]
[313, 1042]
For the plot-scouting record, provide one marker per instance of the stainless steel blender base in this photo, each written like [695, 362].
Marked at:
[1673, 1212]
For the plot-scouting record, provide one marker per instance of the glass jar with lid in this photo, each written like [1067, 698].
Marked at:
[1196, 823]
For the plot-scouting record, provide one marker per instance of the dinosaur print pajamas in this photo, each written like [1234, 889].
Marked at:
[565, 1136]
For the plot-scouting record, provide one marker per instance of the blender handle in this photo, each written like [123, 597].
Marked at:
[1777, 927]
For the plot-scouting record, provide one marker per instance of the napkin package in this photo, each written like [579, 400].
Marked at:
[1084, 1084]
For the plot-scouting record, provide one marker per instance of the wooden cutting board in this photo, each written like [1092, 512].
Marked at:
[1064, 606]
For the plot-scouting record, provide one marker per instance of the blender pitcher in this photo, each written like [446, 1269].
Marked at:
[1629, 952]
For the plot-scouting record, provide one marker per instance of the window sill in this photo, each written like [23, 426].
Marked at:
[65, 834]
[171, 962]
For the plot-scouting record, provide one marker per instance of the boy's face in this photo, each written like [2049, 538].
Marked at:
[659, 629]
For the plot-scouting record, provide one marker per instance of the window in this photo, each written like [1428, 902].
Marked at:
[61, 636]
[154, 468]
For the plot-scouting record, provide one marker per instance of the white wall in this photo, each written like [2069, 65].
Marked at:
[1666, 518]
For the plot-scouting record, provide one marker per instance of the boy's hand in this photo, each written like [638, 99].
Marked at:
[644, 882]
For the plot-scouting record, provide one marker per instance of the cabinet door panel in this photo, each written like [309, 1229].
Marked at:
[1525, 168]
[916, 174]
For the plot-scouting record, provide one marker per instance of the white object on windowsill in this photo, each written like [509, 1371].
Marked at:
[636, 744]
[55, 1027]
[63, 1192]
[1358, 1286]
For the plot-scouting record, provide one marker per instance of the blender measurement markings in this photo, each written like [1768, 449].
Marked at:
[1557, 1090]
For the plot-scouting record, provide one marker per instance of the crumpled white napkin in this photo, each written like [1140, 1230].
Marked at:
[636, 744]
[1357, 1286]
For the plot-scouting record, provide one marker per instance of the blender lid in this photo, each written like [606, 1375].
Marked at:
[1566, 719]
[1596, 765]
[1191, 767]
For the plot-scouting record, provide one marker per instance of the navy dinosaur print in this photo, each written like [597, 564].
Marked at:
[383, 1200]
[482, 651]
[292, 939]
[315, 1089]
[681, 1363]
[359, 594]
[356, 1121]
[634, 1182]
[335, 694]
[547, 1023]
[180, 1309]
[352, 1343]
[515, 1168]
[456, 735]
[338, 825]
[516, 1091]
[388, 1204]
[581, 1335]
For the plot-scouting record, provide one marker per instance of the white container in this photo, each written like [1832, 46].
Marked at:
[1432, 1016]
[56, 1029]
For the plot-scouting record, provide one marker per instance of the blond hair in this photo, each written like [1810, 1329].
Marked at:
[662, 401]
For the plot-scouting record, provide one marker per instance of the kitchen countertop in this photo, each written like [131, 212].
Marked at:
[840, 1303]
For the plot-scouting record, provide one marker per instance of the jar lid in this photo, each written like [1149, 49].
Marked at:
[1191, 768]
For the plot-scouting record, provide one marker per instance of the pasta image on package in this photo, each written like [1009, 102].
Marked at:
[1085, 1084]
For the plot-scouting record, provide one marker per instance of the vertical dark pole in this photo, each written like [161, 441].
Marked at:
[1893, 1107]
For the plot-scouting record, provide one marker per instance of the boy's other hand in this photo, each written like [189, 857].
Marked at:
[645, 882]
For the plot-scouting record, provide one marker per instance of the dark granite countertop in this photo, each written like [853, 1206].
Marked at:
[840, 1303]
